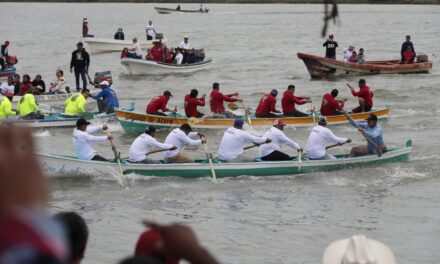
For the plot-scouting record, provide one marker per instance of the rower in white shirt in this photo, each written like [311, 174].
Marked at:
[181, 137]
[185, 43]
[319, 138]
[143, 145]
[82, 140]
[271, 151]
[233, 141]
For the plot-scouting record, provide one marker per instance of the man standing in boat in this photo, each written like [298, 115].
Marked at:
[143, 145]
[233, 141]
[330, 47]
[289, 100]
[119, 35]
[181, 137]
[82, 140]
[150, 31]
[330, 105]
[4, 55]
[374, 132]
[185, 48]
[217, 99]
[365, 96]
[272, 150]
[267, 105]
[80, 64]
[160, 103]
[191, 102]
[405, 46]
[318, 140]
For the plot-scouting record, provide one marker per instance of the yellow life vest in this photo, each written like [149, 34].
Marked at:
[6, 108]
[27, 105]
[75, 104]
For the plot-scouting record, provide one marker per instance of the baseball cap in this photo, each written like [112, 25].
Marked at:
[9, 94]
[81, 122]
[274, 92]
[279, 122]
[147, 245]
[150, 129]
[104, 83]
[372, 117]
[323, 119]
[167, 93]
[238, 121]
[358, 249]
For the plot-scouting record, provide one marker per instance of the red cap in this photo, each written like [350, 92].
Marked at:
[279, 122]
[147, 245]
[9, 94]
[7, 42]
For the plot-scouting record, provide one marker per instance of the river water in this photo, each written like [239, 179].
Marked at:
[248, 219]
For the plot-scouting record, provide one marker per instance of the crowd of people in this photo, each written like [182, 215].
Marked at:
[183, 54]
[407, 52]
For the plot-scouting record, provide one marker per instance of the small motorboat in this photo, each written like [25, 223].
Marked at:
[101, 45]
[140, 66]
[164, 10]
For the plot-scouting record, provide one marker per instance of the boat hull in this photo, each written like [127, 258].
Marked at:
[164, 10]
[133, 122]
[55, 100]
[101, 45]
[320, 67]
[6, 73]
[137, 66]
[55, 165]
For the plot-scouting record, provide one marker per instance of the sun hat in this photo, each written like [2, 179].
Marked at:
[358, 249]
[279, 122]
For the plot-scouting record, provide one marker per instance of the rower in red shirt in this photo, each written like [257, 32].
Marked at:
[365, 96]
[289, 100]
[330, 106]
[157, 51]
[160, 103]
[217, 99]
[191, 103]
[266, 107]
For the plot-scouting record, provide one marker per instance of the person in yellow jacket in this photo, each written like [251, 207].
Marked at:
[6, 106]
[28, 108]
[75, 104]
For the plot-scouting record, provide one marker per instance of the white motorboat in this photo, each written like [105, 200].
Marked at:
[139, 66]
[101, 45]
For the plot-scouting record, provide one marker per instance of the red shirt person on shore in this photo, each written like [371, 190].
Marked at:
[365, 96]
[289, 100]
[191, 103]
[160, 103]
[266, 107]
[217, 99]
[330, 106]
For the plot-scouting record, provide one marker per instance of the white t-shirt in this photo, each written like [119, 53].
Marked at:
[318, 139]
[278, 138]
[184, 45]
[347, 54]
[179, 139]
[137, 49]
[233, 141]
[150, 31]
[179, 58]
[142, 145]
[5, 87]
[82, 139]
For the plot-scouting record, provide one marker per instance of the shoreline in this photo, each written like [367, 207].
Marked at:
[375, 2]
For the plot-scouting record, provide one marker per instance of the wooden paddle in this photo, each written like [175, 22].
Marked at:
[335, 145]
[246, 112]
[208, 156]
[116, 153]
[369, 140]
[312, 109]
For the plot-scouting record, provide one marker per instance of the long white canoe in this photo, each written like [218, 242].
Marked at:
[57, 165]
[101, 45]
[137, 66]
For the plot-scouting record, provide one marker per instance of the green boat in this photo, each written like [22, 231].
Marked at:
[59, 166]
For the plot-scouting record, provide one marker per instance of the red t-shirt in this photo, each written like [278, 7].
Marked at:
[156, 104]
[289, 100]
[216, 102]
[157, 53]
[266, 105]
[329, 104]
[366, 93]
[408, 56]
[25, 87]
[191, 105]
[85, 30]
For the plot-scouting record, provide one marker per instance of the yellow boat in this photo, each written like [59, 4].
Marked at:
[134, 122]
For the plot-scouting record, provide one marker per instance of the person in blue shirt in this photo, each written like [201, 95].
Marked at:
[108, 95]
[374, 132]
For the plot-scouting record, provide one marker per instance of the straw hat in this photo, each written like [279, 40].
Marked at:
[358, 249]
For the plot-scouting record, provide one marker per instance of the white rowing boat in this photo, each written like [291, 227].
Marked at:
[101, 45]
[138, 66]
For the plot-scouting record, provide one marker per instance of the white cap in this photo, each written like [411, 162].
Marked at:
[104, 83]
[358, 249]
